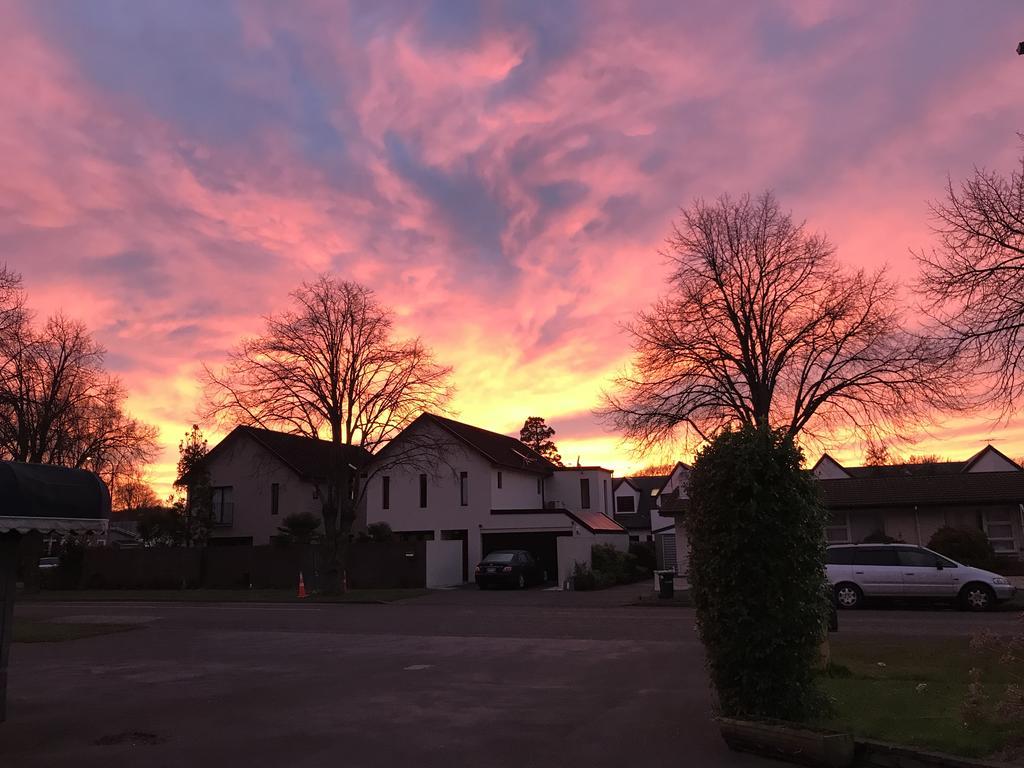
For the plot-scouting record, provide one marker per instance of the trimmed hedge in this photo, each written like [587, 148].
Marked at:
[756, 530]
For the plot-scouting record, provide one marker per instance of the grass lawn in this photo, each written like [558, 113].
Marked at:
[221, 595]
[26, 631]
[884, 703]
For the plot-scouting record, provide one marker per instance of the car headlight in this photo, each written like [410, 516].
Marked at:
[1001, 581]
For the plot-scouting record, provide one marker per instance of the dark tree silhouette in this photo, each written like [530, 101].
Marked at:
[536, 434]
[330, 367]
[973, 281]
[877, 455]
[197, 506]
[763, 326]
[58, 405]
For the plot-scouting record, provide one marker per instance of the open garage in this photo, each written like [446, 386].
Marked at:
[542, 545]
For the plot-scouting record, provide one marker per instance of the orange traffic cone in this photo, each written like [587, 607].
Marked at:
[302, 586]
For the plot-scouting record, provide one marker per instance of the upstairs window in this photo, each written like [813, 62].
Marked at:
[423, 491]
[539, 488]
[499, 479]
[275, 498]
[464, 488]
[585, 493]
[625, 504]
[385, 491]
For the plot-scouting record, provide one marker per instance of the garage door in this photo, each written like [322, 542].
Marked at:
[543, 547]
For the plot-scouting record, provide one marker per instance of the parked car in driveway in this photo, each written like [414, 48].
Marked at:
[857, 571]
[509, 568]
[49, 563]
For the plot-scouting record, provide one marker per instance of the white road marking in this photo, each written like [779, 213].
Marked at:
[417, 667]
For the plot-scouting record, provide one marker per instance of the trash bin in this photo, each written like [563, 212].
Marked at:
[666, 585]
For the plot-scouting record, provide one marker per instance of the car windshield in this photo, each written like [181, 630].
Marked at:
[500, 557]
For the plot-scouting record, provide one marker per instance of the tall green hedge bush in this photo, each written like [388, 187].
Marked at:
[756, 531]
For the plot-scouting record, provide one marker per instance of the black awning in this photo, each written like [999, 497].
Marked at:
[45, 492]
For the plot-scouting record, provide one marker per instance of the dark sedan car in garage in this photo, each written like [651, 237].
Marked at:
[514, 568]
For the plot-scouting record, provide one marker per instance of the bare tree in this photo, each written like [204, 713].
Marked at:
[763, 326]
[59, 406]
[973, 282]
[877, 455]
[329, 367]
[655, 470]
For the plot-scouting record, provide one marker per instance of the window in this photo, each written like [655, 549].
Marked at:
[423, 491]
[839, 556]
[920, 558]
[875, 556]
[999, 529]
[499, 479]
[464, 488]
[385, 492]
[223, 507]
[275, 498]
[837, 529]
[625, 504]
[538, 487]
[585, 493]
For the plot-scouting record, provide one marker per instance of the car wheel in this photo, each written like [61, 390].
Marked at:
[977, 597]
[848, 595]
[521, 583]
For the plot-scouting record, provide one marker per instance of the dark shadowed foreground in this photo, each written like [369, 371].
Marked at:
[458, 678]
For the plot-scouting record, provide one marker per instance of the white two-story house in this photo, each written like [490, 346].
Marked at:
[440, 479]
[638, 508]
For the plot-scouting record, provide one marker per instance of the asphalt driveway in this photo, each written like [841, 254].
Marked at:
[448, 681]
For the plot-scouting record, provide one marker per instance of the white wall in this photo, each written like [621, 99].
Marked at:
[991, 461]
[444, 510]
[518, 490]
[576, 549]
[563, 487]
[249, 469]
[444, 563]
[625, 490]
[828, 469]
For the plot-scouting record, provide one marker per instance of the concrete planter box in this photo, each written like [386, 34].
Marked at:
[788, 742]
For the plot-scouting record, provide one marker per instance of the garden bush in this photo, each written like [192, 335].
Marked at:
[969, 546]
[756, 530]
[645, 555]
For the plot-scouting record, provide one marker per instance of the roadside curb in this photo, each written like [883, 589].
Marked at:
[797, 743]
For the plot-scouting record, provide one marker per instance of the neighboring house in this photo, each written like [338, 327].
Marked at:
[638, 508]
[909, 502]
[442, 480]
[259, 477]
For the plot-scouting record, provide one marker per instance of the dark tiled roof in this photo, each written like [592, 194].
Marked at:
[590, 519]
[500, 450]
[909, 470]
[947, 489]
[671, 504]
[640, 519]
[306, 456]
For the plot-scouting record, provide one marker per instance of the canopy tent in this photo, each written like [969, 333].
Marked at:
[43, 498]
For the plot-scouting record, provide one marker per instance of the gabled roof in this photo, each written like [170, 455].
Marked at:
[500, 450]
[308, 457]
[673, 504]
[930, 469]
[640, 518]
[593, 521]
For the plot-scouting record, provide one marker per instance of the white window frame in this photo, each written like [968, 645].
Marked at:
[1001, 544]
[843, 529]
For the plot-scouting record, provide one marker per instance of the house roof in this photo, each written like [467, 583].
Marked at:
[640, 519]
[308, 457]
[672, 504]
[925, 490]
[590, 519]
[500, 450]
[929, 469]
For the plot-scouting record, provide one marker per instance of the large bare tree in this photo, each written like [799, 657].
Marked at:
[973, 281]
[329, 367]
[761, 325]
[58, 405]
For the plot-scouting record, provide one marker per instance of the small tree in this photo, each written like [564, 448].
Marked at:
[160, 526]
[877, 455]
[380, 532]
[193, 473]
[536, 434]
[969, 546]
[756, 530]
[299, 527]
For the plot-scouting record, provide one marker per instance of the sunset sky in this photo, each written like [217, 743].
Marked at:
[502, 174]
